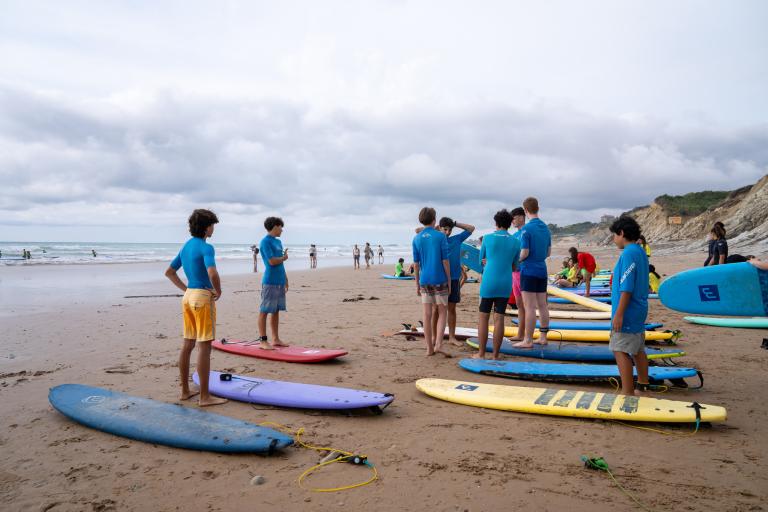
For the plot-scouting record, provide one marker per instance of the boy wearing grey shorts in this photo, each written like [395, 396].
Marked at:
[629, 305]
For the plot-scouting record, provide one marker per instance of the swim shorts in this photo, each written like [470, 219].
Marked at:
[434, 294]
[199, 312]
[455, 296]
[628, 342]
[516, 284]
[272, 298]
[499, 304]
[533, 284]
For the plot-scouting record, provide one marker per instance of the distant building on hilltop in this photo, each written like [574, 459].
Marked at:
[607, 219]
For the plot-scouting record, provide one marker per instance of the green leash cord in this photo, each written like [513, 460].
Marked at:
[599, 464]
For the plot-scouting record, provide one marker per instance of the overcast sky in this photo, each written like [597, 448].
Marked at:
[345, 118]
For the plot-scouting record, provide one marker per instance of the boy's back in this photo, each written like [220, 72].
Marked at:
[195, 257]
[536, 238]
[501, 250]
[631, 275]
[430, 248]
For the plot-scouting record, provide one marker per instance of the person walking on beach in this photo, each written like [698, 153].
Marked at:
[274, 284]
[198, 306]
[381, 255]
[368, 255]
[585, 265]
[433, 273]
[255, 251]
[518, 221]
[499, 255]
[312, 256]
[356, 257]
[629, 304]
[536, 245]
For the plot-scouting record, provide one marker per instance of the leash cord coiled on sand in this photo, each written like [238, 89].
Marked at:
[599, 464]
[343, 456]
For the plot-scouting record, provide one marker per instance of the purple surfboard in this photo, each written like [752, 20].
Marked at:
[294, 394]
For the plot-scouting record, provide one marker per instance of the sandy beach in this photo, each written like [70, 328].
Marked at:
[430, 454]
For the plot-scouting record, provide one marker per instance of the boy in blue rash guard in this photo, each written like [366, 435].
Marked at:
[274, 284]
[446, 225]
[629, 305]
[536, 245]
[433, 273]
[518, 221]
[500, 254]
[198, 306]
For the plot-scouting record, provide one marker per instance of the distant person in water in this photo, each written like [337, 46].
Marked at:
[629, 303]
[94, 252]
[274, 283]
[381, 255]
[654, 279]
[645, 246]
[585, 265]
[536, 248]
[202, 290]
[368, 255]
[356, 257]
[312, 256]
[433, 277]
[255, 249]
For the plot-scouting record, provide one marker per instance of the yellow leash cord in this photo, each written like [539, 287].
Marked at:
[345, 457]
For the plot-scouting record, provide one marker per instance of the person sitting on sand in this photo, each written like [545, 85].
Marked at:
[400, 272]
[198, 306]
[585, 265]
[564, 271]
[274, 284]
[572, 279]
[629, 303]
[500, 256]
[654, 279]
[433, 274]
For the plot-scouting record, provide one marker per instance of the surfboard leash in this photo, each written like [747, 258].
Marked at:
[697, 407]
[599, 464]
[334, 455]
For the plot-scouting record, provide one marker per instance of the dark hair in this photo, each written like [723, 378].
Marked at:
[531, 204]
[199, 222]
[652, 270]
[574, 253]
[427, 215]
[750, 257]
[719, 230]
[503, 219]
[517, 211]
[271, 222]
[642, 239]
[627, 227]
[447, 222]
[401, 260]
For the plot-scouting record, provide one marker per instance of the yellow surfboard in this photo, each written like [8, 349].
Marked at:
[578, 299]
[563, 402]
[601, 336]
[573, 315]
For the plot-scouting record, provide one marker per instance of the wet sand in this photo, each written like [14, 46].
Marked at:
[430, 454]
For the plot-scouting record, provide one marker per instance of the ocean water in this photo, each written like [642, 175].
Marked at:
[68, 253]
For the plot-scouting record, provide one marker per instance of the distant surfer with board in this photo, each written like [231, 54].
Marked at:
[198, 306]
[500, 256]
[629, 303]
[536, 246]
[274, 283]
[433, 274]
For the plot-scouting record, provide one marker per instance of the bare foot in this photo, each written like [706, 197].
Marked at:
[540, 342]
[278, 343]
[192, 391]
[443, 353]
[523, 344]
[430, 353]
[516, 338]
[266, 346]
[211, 400]
[478, 356]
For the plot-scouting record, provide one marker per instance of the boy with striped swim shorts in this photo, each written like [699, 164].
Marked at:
[433, 274]
[198, 306]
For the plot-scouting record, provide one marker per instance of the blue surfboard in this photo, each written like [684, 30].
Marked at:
[560, 300]
[577, 353]
[470, 257]
[587, 326]
[734, 289]
[559, 372]
[403, 278]
[156, 422]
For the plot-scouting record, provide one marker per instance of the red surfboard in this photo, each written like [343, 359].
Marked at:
[292, 354]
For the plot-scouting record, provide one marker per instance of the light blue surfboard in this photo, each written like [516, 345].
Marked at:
[560, 300]
[733, 289]
[561, 372]
[156, 422]
[470, 257]
[571, 352]
[396, 278]
[587, 326]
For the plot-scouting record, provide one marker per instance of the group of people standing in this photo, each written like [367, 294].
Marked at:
[369, 257]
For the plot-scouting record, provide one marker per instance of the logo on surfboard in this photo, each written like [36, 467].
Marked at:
[466, 387]
[709, 293]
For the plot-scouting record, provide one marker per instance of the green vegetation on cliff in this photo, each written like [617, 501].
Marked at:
[691, 204]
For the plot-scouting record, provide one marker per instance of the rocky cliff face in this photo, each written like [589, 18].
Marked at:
[744, 213]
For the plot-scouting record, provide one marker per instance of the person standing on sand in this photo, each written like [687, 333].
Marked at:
[198, 306]
[433, 285]
[536, 246]
[518, 221]
[356, 257]
[255, 251]
[274, 284]
[312, 256]
[368, 255]
[381, 255]
[499, 255]
[629, 303]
